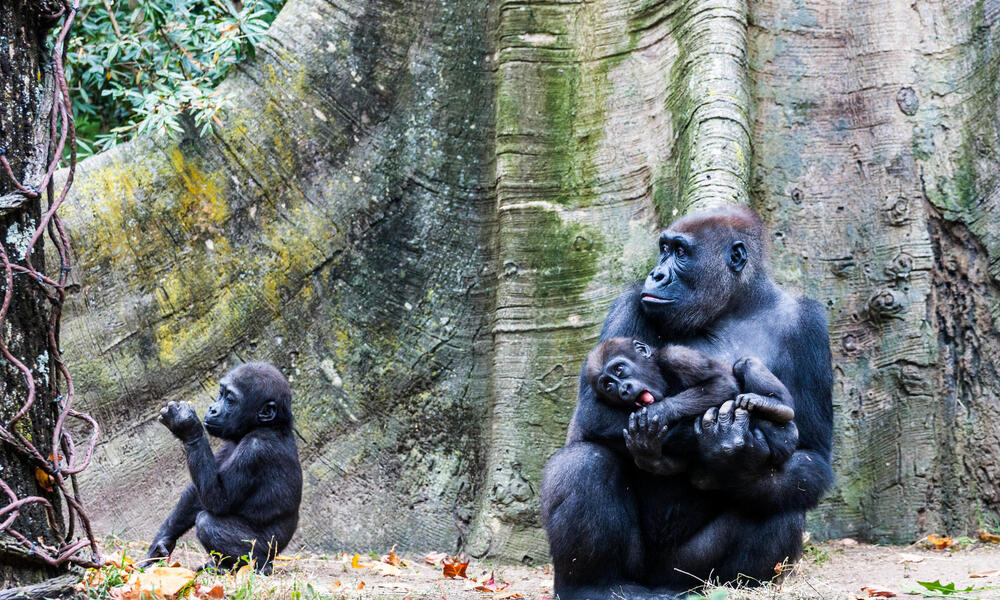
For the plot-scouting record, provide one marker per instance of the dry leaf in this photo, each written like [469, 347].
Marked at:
[356, 562]
[507, 595]
[847, 542]
[336, 585]
[45, 481]
[492, 585]
[454, 567]
[159, 583]
[873, 591]
[216, 593]
[989, 573]
[992, 538]
[938, 542]
[434, 558]
[361, 585]
[392, 559]
[910, 558]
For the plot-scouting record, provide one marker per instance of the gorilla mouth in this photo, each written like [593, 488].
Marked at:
[645, 398]
[651, 299]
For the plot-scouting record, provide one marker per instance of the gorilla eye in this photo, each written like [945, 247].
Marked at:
[619, 371]
[609, 387]
[680, 252]
[665, 248]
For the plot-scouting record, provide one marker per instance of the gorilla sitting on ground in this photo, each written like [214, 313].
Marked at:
[617, 530]
[244, 500]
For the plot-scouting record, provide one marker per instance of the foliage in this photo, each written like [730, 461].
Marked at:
[136, 66]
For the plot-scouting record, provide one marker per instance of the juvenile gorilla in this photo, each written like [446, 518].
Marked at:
[616, 529]
[627, 374]
[244, 501]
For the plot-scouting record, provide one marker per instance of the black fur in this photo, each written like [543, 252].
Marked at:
[245, 499]
[616, 529]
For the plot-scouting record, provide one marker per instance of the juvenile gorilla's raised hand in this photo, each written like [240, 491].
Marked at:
[181, 420]
[644, 439]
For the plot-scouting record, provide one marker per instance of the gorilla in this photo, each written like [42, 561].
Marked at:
[616, 528]
[244, 500]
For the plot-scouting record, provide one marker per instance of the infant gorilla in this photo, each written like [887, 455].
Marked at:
[244, 500]
[627, 374]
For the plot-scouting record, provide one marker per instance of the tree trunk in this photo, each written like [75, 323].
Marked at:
[421, 211]
[25, 102]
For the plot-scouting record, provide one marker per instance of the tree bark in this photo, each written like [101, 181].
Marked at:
[25, 101]
[421, 212]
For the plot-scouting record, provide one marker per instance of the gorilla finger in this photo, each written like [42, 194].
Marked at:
[741, 417]
[643, 419]
[654, 425]
[726, 412]
[632, 422]
[697, 426]
[711, 415]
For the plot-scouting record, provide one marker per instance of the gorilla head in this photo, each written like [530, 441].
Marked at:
[708, 265]
[250, 396]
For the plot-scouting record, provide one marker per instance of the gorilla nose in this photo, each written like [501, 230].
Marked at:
[626, 390]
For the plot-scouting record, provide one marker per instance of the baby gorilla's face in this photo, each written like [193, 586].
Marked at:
[631, 381]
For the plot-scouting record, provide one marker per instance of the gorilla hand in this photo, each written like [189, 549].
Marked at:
[181, 420]
[644, 439]
[727, 443]
[160, 548]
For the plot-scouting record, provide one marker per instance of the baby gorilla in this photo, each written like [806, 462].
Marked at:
[244, 501]
[627, 374]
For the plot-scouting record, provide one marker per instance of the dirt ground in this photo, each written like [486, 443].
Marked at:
[829, 570]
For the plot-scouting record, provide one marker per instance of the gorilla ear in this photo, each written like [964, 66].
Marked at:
[737, 256]
[267, 412]
[642, 349]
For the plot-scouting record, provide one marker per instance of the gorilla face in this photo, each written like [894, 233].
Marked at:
[694, 280]
[250, 396]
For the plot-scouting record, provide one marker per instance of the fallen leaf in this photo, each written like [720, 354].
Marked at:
[356, 562]
[361, 585]
[336, 585]
[847, 542]
[989, 573]
[159, 583]
[45, 481]
[454, 567]
[873, 591]
[391, 558]
[492, 585]
[434, 558]
[938, 542]
[507, 595]
[216, 593]
[992, 538]
[910, 558]
[944, 588]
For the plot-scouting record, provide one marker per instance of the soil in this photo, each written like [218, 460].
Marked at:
[831, 570]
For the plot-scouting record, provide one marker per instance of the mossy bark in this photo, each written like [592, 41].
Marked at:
[421, 212]
[25, 98]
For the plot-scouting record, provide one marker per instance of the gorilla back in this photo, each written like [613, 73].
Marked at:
[614, 527]
[244, 500]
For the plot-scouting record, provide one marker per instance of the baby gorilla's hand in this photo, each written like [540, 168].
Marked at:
[181, 420]
[644, 435]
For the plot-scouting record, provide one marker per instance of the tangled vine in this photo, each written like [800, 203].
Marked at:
[63, 463]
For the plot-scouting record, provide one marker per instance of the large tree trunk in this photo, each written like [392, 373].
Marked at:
[420, 211]
[26, 96]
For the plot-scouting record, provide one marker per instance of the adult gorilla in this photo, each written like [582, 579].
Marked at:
[615, 529]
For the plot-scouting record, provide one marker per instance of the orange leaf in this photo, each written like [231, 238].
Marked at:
[45, 481]
[391, 558]
[454, 567]
[989, 573]
[507, 596]
[992, 538]
[434, 558]
[216, 593]
[361, 585]
[158, 583]
[336, 585]
[938, 542]
[356, 561]
[873, 591]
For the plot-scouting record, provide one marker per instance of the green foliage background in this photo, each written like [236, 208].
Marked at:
[135, 66]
